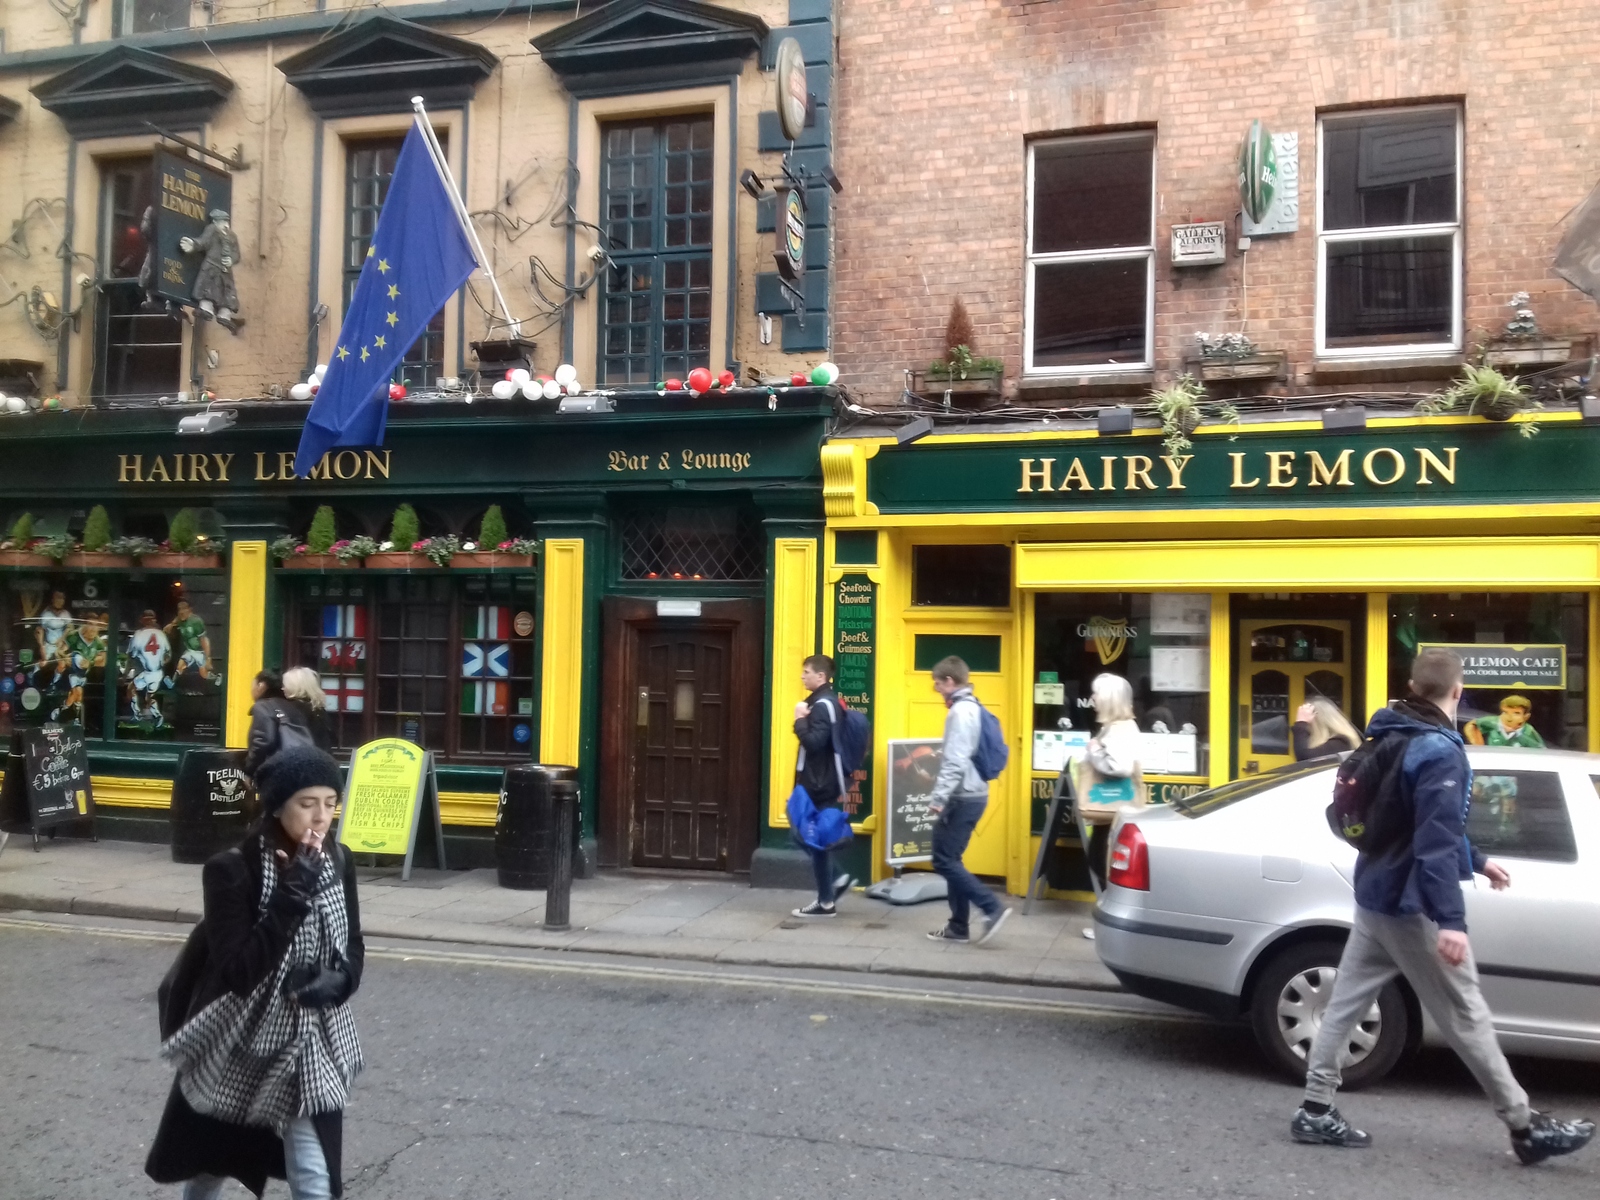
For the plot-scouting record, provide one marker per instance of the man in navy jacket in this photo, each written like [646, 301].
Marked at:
[1411, 920]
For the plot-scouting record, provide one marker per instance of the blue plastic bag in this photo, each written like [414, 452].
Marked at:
[817, 829]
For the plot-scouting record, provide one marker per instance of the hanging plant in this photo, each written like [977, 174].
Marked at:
[1182, 410]
[1486, 392]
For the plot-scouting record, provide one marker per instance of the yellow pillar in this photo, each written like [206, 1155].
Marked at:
[1222, 691]
[1377, 657]
[794, 637]
[560, 709]
[247, 633]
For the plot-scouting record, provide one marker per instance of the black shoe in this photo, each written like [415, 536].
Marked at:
[1547, 1137]
[842, 885]
[1327, 1129]
[945, 934]
[815, 909]
[991, 925]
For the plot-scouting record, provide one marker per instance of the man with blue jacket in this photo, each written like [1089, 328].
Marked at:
[1411, 920]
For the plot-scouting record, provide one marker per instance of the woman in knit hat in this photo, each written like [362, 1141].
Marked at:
[267, 1053]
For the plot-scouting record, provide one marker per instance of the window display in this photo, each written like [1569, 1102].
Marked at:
[1159, 642]
[1525, 657]
[171, 635]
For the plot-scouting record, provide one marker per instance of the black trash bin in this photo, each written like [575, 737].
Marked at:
[212, 804]
[523, 826]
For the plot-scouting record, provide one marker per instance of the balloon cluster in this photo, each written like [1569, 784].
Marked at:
[312, 385]
[535, 387]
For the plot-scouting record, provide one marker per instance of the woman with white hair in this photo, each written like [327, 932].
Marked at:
[297, 704]
[1109, 778]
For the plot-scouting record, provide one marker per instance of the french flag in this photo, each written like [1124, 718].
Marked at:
[344, 621]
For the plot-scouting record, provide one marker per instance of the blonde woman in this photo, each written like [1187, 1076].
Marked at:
[304, 687]
[1320, 730]
[1112, 756]
[296, 702]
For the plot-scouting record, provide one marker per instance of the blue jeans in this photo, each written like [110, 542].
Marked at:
[951, 833]
[823, 870]
[302, 1156]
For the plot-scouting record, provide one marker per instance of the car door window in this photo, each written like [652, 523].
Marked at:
[1521, 814]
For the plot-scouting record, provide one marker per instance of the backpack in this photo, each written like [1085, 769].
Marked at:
[992, 753]
[852, 741]
[1366, 789]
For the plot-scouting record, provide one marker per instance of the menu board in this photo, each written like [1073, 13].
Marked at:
[46, 780]
[913, 767]
[855, 655]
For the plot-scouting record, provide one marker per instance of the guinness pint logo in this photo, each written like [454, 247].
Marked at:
[1110, 637]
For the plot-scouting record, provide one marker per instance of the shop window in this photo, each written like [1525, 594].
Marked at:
[1159, 642]
[1390, 235]
[1521, 814]
[961, 576]
[444, 661]
[148, 16]
[1526, 657]
[369, 167]
[138, 344]
[655, 198]
[160, 642]
[1091, 253]
[723, 545]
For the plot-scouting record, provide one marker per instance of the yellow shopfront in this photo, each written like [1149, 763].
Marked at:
[1225, 604]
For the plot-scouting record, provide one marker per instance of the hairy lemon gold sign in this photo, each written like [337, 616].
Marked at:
[381, 801]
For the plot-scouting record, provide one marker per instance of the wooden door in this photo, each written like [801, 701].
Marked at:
[681, 794]
[1282, 664]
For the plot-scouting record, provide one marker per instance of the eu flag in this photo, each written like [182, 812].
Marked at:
[419, 256]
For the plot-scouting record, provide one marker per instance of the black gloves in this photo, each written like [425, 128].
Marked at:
[317, 987]
[299, 878]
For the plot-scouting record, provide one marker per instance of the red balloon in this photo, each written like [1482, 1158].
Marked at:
[797, 379]
[674, 385]
[397, 391]
[509, 374]
[699, 380]
[726, 379]
[315, 388]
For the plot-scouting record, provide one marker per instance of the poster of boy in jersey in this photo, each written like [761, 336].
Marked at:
[54, 650]
[144, 672]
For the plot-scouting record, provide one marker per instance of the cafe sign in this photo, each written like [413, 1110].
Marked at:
[1494, 665]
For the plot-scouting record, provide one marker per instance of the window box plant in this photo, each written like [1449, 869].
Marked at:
[1484, 391]
[1227, 357]
[495, 548]
[95, 553]
[1523, 344]
[399, 551]
[19, 549]
[185, 547]
[958, 377]
[1182, 409]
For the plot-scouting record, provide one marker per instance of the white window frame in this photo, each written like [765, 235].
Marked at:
[1110, 254]
[1326, 238]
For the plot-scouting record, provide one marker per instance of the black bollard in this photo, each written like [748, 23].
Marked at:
[563, 818]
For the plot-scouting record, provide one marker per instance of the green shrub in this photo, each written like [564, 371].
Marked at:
[493, 530]
[184, 531]
[322, 533]
[405, 531]
[97, 529]
[22, 531]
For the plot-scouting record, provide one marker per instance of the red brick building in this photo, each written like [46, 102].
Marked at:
[1441, 145]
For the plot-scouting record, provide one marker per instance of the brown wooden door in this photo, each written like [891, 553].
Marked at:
[681, 800]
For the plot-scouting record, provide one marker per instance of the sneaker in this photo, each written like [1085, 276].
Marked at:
[991, 925]
[945, 934]
[1327, 1129]
[1088, 935]
[842, 885]
[1547, 1137]
[815, 909]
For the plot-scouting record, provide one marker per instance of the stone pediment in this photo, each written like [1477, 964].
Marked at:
[381, 62]
[125, 86]
[648, 37]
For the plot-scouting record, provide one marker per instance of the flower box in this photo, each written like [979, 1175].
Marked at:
[168, 561]
[975, 391]
[318, 562]
[22, 558]
[393, 560]
[1533, 352]
[492, 560]
[96, 560]
[1272, 365]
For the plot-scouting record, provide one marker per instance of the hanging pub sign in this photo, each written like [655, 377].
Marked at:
[791, 253]
[192, 249]
[793, 96]
[1258, 172]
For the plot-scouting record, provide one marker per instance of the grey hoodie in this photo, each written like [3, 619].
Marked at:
[963, 725]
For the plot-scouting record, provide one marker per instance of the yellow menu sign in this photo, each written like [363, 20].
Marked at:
[383, 796]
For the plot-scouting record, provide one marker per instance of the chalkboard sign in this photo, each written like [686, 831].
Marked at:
[47, 780]
[913, 767]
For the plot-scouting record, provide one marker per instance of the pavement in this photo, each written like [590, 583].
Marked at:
[695, 919]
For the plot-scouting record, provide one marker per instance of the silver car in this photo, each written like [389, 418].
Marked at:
[1238, 900]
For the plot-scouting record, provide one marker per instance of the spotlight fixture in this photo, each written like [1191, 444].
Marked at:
[751, 182]
[1589, 406]
[1116, 420]
[590, 403]
[211, 421]
[832, 180]
[1345, 417]
[921, 427]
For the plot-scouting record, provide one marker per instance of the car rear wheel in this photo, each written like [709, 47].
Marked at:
[1291, 994]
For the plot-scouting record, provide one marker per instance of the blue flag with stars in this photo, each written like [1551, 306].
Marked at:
[419, 256]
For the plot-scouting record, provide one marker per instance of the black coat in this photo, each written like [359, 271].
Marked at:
[1303, 749]
[264, 729]
[819, 774]
[245, 945]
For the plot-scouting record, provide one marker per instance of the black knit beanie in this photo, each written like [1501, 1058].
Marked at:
[287, 771]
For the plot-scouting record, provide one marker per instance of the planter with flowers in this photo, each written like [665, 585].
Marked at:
[95, 553]
[495, 548]
[405, 531]
[959, 378]
[1522, 345]
[186, 548]
[20, 548]
[1230, 357]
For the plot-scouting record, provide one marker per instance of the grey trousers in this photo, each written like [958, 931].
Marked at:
[1382, 947]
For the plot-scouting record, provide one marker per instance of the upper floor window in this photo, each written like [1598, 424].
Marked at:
[655, 206]
[1091, 253]
[369, 166]
[138, 342]
[1389, 232]
[148, 16]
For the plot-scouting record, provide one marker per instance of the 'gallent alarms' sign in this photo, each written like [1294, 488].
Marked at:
[1248, 470]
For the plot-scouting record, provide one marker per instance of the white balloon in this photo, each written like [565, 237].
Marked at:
[503, 389]
[520, 375]
[573, 387]
[566, 374]
[322, 369]
[552, 389]
[531, 390]
[300, 391]
[16, 404]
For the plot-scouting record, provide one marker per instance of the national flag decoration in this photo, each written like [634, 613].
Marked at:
[346, 693]
[481, 660]
[486, 698]
[418, 257]
[487, 623]
[344, 632]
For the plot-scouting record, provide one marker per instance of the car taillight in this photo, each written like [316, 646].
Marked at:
[1130, 860]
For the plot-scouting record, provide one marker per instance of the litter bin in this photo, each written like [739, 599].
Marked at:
[212, 804]
[524, 824]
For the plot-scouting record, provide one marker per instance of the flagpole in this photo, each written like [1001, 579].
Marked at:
[443, 167]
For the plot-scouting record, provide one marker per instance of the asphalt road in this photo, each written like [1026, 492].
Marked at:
[526, 1077]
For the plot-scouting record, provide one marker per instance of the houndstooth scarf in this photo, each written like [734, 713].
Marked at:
[264, 1059]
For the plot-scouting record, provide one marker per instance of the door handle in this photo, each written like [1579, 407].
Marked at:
[643, 717]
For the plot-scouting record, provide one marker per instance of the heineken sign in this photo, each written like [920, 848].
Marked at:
[1258, 172]
[1411, 465]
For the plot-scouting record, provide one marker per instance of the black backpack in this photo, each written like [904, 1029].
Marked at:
[1367, 806]
[287, 733]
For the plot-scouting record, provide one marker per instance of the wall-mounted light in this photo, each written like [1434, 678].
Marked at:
[1116, 420]
[213, 420]
[590, 403]
[1345, 417]
[921, 427]
[751, 182]
[1589, 406]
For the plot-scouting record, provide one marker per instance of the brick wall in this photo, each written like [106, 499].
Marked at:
[935, 103]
